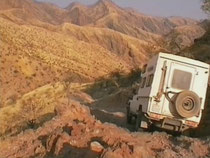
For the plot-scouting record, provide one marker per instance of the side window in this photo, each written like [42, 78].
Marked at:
[181, 79]
[143, 82]
[150, 80]
[144, 68]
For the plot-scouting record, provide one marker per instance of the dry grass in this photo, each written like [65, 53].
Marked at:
[132, 50]
[32, 109]
[25, 68]
[33, 56]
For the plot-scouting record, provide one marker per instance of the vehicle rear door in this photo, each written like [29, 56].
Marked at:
[180, 77]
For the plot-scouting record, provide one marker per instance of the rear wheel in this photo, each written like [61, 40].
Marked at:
[138, 122]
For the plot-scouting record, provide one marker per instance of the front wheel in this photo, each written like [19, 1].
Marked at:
[138, 122]
[142, 123]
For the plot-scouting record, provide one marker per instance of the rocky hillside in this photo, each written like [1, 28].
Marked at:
[29, 11]
[107, 14]
[42, 57]
[183, 37]
[200, 49]
[104, 14]
[75, 133]
[132, 50]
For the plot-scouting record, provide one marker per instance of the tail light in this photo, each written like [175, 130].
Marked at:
[156, 116]
[191, 124]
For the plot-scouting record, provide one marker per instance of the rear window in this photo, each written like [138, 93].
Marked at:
[150, 80]
[181, 79]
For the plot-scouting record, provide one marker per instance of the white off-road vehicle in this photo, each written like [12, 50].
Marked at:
[171, 94]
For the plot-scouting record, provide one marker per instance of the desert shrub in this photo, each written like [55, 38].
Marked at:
[134, 75]
[111, 84]
[14, 119]
[30, 111]
[206, 6]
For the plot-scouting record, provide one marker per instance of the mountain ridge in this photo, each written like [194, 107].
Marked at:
[95, 12]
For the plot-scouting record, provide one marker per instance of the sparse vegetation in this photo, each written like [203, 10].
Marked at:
[113, 83]
[31, 110]
[75, 58]
[206, 6]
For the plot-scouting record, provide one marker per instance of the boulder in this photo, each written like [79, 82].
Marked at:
[96, 147]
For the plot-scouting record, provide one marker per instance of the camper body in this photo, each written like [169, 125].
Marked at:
[171, 94]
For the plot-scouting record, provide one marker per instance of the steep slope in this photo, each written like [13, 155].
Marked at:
[180, 21]
[43, 14]
[42, 57]
[28, 11]
[183, 36]
[134, 51]
[4, 5]
[104, 14]
[200, 49]
[107, 14]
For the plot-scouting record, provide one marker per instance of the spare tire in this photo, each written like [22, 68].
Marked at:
[187, 104]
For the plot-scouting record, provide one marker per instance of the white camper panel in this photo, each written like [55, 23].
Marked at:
[144, 97]
[192, 72]
[166, 77]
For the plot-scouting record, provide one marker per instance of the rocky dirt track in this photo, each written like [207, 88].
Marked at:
[74, 132]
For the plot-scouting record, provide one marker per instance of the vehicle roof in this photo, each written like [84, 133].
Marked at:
[184, 60]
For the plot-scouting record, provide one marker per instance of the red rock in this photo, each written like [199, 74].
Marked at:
[96, 147]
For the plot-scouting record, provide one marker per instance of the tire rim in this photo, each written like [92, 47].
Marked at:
[188, 104]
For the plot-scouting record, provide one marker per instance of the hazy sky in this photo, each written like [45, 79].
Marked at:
[185, 8]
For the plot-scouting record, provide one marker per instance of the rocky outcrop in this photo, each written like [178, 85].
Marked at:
[78, 134]
[96, 147]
